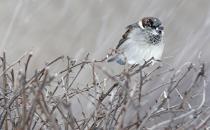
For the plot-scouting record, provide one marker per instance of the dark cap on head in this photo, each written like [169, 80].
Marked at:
[151, 22]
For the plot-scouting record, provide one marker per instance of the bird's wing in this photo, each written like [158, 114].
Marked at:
[125, 35]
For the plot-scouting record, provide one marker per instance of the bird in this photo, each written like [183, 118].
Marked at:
[142, 41]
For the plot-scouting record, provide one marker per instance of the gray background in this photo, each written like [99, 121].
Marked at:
[51, 28]
[74, 27]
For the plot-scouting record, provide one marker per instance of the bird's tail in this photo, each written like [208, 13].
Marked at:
[118, 59]
[112, 59]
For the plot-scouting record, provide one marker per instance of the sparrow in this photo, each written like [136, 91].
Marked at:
[142, 41]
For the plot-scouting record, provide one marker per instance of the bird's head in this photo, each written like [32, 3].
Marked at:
[152, 25]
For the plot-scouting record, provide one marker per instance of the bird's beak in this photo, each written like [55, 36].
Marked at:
[160, 29]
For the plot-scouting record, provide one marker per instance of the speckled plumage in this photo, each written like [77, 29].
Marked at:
[141, 41]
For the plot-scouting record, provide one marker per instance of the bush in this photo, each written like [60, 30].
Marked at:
[140, 97]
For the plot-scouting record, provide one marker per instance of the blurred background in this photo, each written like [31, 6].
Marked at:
[75, 27]
[51, 28]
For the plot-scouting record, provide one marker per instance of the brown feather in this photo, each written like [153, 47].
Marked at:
[125, 35]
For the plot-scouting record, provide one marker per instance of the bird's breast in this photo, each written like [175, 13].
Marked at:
[136, 52]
